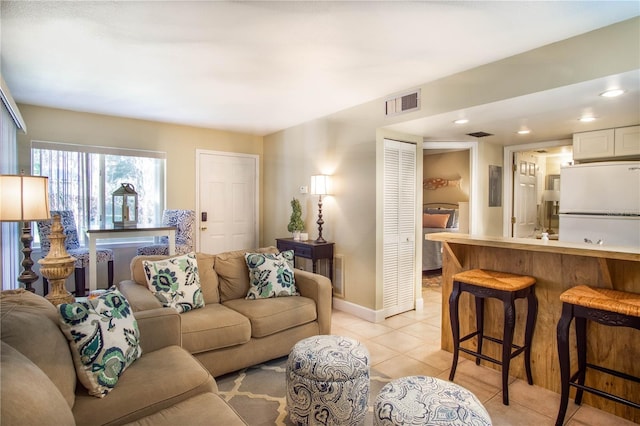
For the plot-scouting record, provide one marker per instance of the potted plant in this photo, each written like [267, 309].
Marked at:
[296, 224]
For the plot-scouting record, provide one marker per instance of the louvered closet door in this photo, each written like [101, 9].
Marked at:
[399, 227]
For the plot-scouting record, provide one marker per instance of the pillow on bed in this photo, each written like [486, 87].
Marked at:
[453, 216]
[435, 220]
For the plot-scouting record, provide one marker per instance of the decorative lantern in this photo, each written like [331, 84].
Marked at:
[124, 206]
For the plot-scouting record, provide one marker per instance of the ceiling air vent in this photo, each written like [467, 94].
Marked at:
[402, 103]
[479, 134]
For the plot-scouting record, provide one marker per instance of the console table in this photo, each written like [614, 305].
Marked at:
[309, 250]
[111, 232]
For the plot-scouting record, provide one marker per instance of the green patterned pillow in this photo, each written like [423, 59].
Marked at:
[104, 339]
[175, 282]
[271, 275]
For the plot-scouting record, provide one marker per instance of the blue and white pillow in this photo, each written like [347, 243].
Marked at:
[104, 339]
[271, 275]
[175, 282]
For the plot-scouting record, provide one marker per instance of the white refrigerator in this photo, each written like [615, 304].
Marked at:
[600, 203]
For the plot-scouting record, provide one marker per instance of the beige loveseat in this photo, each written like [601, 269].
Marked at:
[231, 332]
[165, 386]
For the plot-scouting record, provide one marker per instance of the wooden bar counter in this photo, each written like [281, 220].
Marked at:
[556, 266]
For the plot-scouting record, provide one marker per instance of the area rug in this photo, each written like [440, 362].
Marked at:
[432, 278]
[258, 393]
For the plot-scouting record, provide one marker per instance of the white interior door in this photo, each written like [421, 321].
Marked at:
[227, 201]
[399, 227]
[525, 207]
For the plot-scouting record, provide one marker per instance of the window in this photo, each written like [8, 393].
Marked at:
[82, 178]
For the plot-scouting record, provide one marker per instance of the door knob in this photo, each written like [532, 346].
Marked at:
[203, 228]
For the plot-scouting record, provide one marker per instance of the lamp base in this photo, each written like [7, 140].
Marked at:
[27, 277]
[57, 265]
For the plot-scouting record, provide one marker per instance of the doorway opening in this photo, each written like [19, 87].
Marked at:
[449, 188]
[532, 190]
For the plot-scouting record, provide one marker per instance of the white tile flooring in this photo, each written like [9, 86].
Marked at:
[409, 344]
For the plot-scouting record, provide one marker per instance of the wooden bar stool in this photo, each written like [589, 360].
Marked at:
[507, 287]
[604, 306]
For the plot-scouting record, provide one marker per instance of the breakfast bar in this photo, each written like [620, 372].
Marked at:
[556, 266]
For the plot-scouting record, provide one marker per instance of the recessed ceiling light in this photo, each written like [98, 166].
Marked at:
[587, 119]
[461, 121]
[524, 132]
[612, 93]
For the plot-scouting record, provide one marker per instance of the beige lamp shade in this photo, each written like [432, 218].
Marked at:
[320, 185]
[24, 198]
[551, 195]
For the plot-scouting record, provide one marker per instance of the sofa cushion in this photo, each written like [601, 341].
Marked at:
[233, 273]
[154, 382]
[213, 327]
[269, 316]
[28, 396]
[270, 275]
[208, 276]
[196, 411]
[175, 282]
[29, 323]
[104, 339]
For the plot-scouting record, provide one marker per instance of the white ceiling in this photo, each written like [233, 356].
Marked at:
[262, 66]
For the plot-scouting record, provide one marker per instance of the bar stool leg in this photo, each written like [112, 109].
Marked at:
[532, 313]
[455, 326]
[581, 344]
[479, 324]
[563, 355]
[509, 324]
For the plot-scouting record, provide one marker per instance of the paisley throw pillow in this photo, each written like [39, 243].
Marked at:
[271, 275]
[104, 339]
[175, 282]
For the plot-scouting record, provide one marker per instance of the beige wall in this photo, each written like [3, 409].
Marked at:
[447, 165]
[490, 218]
[179, 142]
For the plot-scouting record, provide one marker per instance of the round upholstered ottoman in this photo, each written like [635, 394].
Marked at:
[422, 400]
[328, 381]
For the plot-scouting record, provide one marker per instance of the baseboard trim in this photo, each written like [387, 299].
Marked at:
[366, 313]
[358, 310]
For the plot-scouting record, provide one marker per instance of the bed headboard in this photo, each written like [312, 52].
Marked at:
[439, 206]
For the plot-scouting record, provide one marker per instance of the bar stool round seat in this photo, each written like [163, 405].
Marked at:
[328, 381]
[608, 307]
[423, 400]
[507, 287]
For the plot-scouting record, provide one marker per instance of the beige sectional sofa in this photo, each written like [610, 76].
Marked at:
[231, 332]
[39, 386]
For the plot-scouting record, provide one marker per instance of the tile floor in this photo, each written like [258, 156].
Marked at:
[409, 344]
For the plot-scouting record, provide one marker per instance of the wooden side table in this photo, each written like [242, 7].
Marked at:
[309, 250]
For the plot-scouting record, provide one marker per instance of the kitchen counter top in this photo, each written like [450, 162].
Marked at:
[530, 244]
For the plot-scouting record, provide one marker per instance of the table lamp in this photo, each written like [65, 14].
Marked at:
[24, 199]
[319, 186]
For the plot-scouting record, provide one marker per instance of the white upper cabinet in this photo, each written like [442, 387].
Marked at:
[606, 144]
[627, 141]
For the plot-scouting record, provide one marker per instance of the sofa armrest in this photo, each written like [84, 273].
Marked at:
[318, 288]
[139, 297]
[159, 328]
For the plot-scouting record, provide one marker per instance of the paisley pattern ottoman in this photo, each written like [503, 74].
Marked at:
[422, 400]
[328, 381]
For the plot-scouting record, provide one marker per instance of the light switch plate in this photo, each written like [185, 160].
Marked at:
[304, 189]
